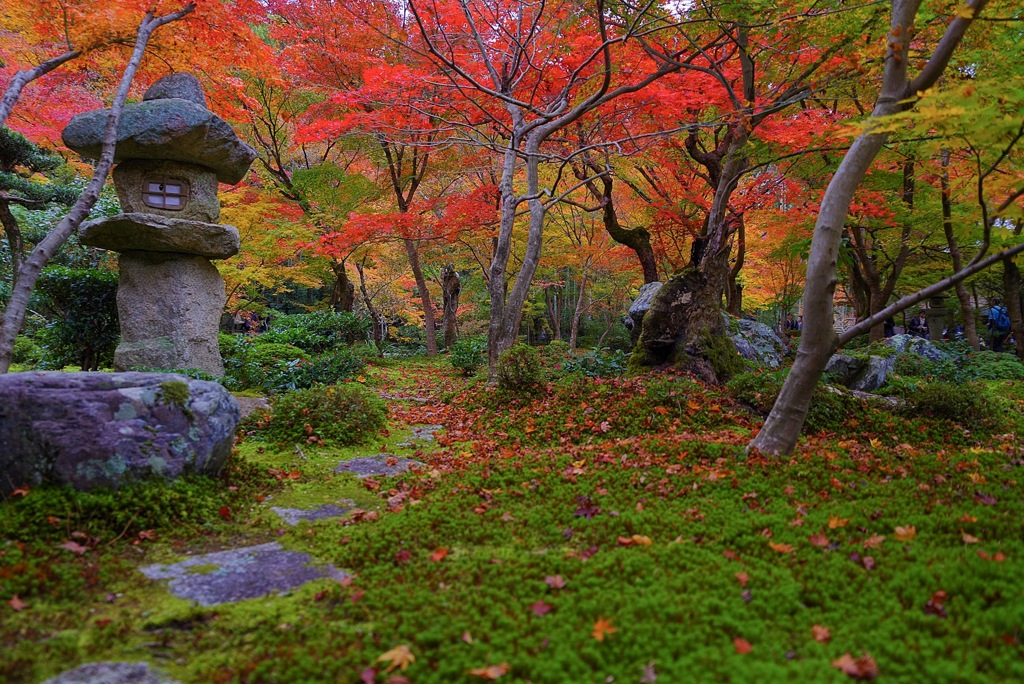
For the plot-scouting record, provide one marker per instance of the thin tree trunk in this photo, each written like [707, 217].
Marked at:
[343, 294]
[15, 241]
[23, 78]
[734, 293]
[552, 304]
[574, 329]
[1012, 301]
[379, 323]
[782, 428]
[970, 324]
[425, 300]
[451, 288]
[14, 315]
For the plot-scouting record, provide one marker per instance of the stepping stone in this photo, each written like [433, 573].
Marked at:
[424, 433]
[111, 673]
[381, 464]
[238, 574]
[292, 516]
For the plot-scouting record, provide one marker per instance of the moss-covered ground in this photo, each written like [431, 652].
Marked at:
[589, 531]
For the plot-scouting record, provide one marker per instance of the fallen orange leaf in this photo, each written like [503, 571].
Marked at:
[782, 548]
[742, 578]
[874, 541]
[438, 555]
[834, 522]
[399, 656]
[17, 604]
[602, 628]
[905, 534]
[969, 539]
[821, 634]
[491, 671]
[858, 668]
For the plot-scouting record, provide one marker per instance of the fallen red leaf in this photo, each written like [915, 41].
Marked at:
[224, 512]
[20, 491]
[438, 555]
[555, 581]
[540, 608]
[858, 668]
[403, 556]
[742, 578]
[17, 604]
[821, 634]
[934, 605]
[818, 539]
[491, 671]
[74, 547]
[742, 645]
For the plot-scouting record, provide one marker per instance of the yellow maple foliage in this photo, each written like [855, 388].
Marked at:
[400, 656]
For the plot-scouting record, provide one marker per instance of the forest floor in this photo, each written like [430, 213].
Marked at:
[592, 531]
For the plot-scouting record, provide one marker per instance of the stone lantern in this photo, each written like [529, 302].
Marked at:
[935, 315]
[171, 153]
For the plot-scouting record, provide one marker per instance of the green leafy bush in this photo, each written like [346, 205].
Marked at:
[467, 355]
[342, 414]
[597, 363]
[963, 403]
[519, 369]
[318, 331]
[81, 305]
[26, 350]
[255, 363]
[829, 410]
[990, 365]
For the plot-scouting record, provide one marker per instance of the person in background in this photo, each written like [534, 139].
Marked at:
[889, 326]
[917, 326]
[998, 325]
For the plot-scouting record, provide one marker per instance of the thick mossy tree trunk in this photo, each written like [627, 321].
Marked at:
[451, 288]
[684, 329]
[343, 293]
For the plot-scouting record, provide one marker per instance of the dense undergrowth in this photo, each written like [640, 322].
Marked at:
[581, 530]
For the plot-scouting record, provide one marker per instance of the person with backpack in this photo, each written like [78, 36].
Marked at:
[998, 325]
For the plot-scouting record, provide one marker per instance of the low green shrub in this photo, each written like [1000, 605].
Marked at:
[990, 365]
[26, 350]
[342, 414]
[317, 331]
[81, 307]
[519, 369]
[965, 403]
[829, 410]
[553, 357]
[597, 363]
[254, 363]
[467, 355]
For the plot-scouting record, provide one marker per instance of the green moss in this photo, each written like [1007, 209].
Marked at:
[175, 393]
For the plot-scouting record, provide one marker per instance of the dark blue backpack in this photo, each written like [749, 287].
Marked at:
[999, 319]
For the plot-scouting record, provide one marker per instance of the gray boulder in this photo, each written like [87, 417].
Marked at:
[103, 429]
[150, 233]
[860, 373]
[916, 345]
[756, 341]
[111, 673]
[173, 129]
[179, 86]
[640, 305]
[169, 308]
